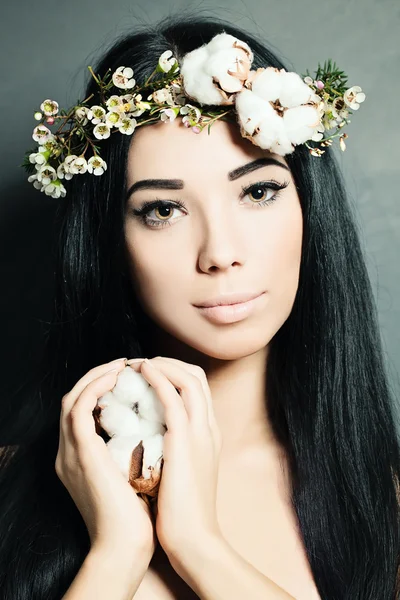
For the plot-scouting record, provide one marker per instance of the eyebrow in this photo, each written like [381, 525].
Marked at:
[178, 184]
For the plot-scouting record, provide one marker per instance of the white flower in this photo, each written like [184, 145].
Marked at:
[37, 116]
[96, 114]
[46, 174]
[193, 114]
[96, 165]
[139, 106]
[165, 62]
[162, 96]
[114, 118]
[102, 131]
[62, 173]
[68, 161]
[353, 97]
[213, 73]
[168, 114]
[113, 102]
[54, 189]
[37, 158]
[34, 179]
[49, 107]
[41, 134]
[122, 78]
[81, 115]
[128, 126]
[78, 165]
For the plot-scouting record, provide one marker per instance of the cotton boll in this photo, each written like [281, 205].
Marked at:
[152, 455]
[150, 407]
[148, 428]
[272, 136]
[118, 419]
[197, 83]
[251, 110]
[294, 91]
[300, 123]
[267, 84]
[130, 387]
[121, 449]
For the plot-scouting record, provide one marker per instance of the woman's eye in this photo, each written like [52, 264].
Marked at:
[260, 195]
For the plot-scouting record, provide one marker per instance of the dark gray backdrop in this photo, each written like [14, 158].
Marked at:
[44, 51]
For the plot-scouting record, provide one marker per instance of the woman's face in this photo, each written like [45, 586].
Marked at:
[223, 241]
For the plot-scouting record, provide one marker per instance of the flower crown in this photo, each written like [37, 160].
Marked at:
[275, 109]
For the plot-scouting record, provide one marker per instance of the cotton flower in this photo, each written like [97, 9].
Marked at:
[49, 107]
[279, 111]
[213, 73]
[96, 165]
[353, 97]
[134, 418]
[167, 61]
[122, 78]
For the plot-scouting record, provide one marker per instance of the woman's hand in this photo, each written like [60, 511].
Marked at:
[186, 505]
[116, 518]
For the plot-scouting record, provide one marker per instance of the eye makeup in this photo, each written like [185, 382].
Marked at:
[142, 213]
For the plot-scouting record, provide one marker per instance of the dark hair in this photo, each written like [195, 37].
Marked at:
[327, 386]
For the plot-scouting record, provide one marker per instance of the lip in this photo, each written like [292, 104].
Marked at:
[228, 299]
[230, 313]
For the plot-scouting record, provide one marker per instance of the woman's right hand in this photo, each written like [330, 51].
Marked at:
[115, 516]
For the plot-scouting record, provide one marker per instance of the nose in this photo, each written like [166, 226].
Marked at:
[223, 244]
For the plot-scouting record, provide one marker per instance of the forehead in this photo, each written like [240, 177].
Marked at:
[171, 149]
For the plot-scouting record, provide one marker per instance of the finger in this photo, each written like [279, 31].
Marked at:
[191, 391]
[176, 418]
[199, 372]
[80, 419]
[71, 397]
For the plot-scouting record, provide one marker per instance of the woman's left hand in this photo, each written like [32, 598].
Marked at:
[186, 515]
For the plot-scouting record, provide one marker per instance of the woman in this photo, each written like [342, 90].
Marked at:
[305, 499]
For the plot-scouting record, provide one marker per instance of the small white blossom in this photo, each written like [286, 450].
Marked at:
[37, 116]
[62, 173]
[113, 102]
[81, 115]
[41, 134]
[54, 189]
[37, 158]
[102, 131]
[67, 162]
[128, 126]
[96, 114]
[353, 97]
[213, 73]
[78, 166]
[168, 114]
[46, 174]
[162, 96]
[96, 165]
[167, 61]
[114, 118]
[49, 107]
[34, 179]
[122, 78]
[192, 113]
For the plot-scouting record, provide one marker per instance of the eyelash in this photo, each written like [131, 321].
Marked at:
[150, 205]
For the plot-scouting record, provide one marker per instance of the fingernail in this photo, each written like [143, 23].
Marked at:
[134, 360]
[118, 360]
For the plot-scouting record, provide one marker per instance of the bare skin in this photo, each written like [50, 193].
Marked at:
[223, 243]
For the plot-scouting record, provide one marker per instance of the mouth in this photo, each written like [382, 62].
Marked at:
[230, 313]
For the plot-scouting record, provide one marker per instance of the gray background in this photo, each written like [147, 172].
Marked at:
[44, 52]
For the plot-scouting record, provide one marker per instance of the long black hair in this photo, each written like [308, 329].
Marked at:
[327, 386]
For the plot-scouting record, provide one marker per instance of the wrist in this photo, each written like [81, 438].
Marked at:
[120, 555]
